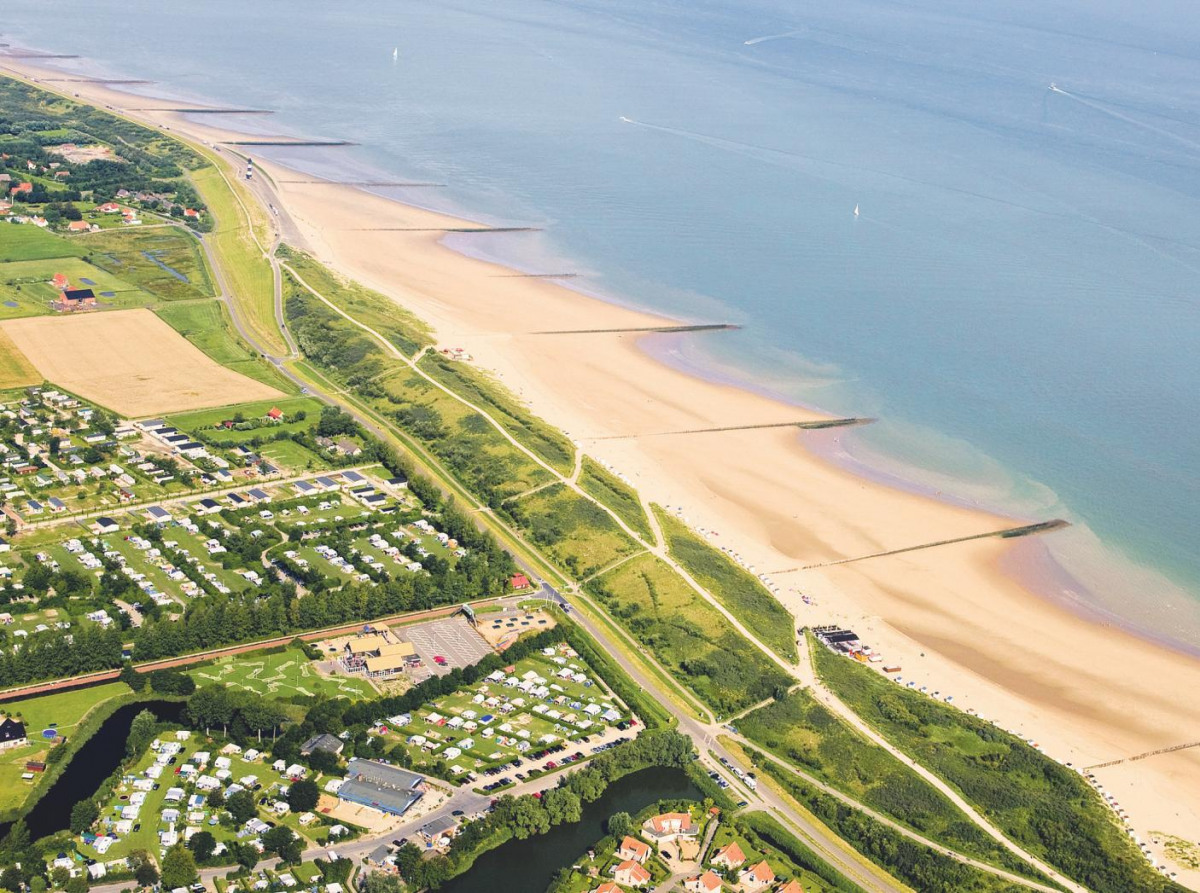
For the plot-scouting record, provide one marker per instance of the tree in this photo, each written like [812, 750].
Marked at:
[562, 805]
[281, 841]
[59, 876]
[210, 706]
[77, 884]
[83, 815]
[37, 884]
[302, 796]
[132, 677]
[141, 733]
[261, 716]
[381, 882]
[241, 806]
[202, 845]
[172, 682]
[11, 878]
[144, 870]
[619, 825]
[178, 867]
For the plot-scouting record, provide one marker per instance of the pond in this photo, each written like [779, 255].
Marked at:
[528, 866]
[94, 762]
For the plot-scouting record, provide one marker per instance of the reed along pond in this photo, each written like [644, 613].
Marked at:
[92, 763]
[528, 866]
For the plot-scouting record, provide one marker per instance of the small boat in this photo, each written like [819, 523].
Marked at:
[856, 210]
[395, 53]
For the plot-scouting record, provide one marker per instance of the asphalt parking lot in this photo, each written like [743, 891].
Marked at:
[451, 637]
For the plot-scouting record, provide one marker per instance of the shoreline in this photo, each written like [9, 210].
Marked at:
[940, 602]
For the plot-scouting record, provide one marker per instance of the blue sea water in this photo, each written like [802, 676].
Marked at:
[1016, 302]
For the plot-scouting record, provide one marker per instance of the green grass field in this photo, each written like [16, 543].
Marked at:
[207, 325]
[66, 710]
[280, 675]
[210, 418]
[293, 456]
[605, 486]
[25, 287]
[738, 590]
[576, 533]
[688, 635]
[33, 243]
[247, 271]
[163, 260]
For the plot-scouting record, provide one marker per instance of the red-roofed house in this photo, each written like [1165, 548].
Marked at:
[60, 280]
[109, 208]
[670, 825]
[632, 848]
[790, 887]
[630, 874]
[756, 877]
[608, 887]
[730, 856]
[21, 188]
[275, 413]
[191, 212]
[519, 581]
[703, 883]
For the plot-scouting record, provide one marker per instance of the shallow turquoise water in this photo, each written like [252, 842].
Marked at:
[1016, 301]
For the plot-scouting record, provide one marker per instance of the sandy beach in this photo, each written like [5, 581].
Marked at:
[952, 616]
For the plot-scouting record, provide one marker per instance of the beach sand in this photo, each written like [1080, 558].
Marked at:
[951, 616]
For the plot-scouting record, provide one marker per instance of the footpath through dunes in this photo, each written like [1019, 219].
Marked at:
[129, 361]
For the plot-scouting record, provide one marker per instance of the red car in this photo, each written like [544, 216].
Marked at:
[439, 660]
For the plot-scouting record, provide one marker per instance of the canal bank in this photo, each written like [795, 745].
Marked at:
[92, 759]
[528, 866]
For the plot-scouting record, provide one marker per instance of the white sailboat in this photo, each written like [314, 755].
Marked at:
[856, 210]
[395, 54]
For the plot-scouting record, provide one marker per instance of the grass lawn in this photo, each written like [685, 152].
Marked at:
[164, 260]
[293, 456]
[576, 533]
[26, 242]
[246, 269]
[66, 710]
[279, 675]
[211, 418]
[738, 590]
[687, 635]
[25, 287]
[207, 325]
[619, 496]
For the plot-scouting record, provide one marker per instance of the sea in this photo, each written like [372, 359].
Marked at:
[977, 223]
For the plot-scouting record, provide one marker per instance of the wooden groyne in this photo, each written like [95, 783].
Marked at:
[808, 426]
[206, 111]
[286, 143]
[1142, 756]
[1007, 533]
[95, 81]
[21, 55]
[363, 183]
[534, 275]
[445, 229]
[650, 330]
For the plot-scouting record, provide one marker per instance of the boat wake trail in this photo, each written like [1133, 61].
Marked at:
[757, 40]
[1105, 110]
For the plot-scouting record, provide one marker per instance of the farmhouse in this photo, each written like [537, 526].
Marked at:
[12, 733]
[72, 299]
[381, 787]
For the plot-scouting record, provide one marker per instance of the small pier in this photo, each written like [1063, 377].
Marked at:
[804, 426]
[1007, 533]
[647, 330]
